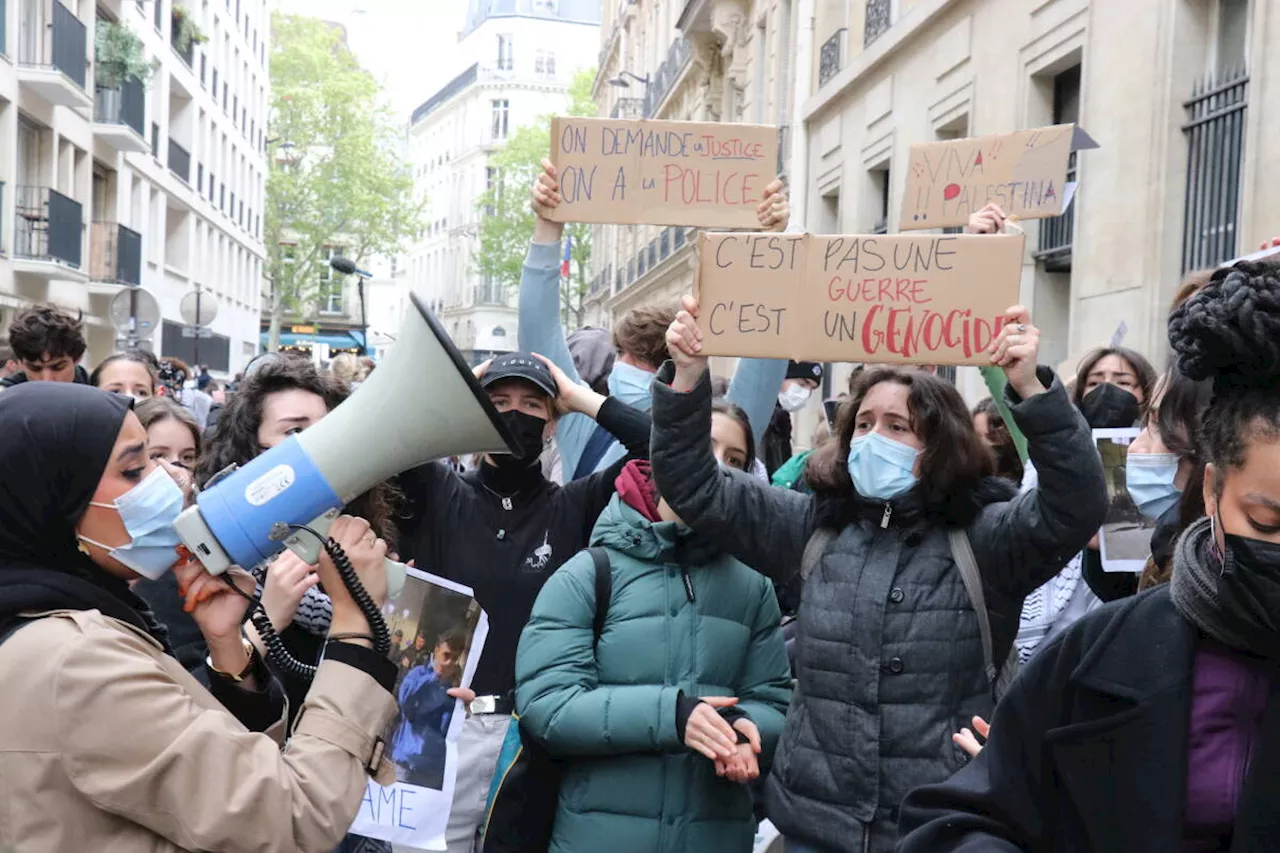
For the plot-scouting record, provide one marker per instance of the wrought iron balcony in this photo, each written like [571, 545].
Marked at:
[879, 19]
[831, 56]
[47, 226]
[679, 55]
[119, 116]
[1058, 233]
[1214, 131]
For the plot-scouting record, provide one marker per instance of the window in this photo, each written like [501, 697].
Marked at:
[506, 60]
[330, 285]
[501, 110]
[880, 180]
[491, 185]
[1231, 44]
[544, 63]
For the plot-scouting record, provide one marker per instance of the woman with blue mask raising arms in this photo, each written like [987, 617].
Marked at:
[108, 742]
[890, 653]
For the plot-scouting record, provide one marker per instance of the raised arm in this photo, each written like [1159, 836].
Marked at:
[1019, 544]
[558, 695]
[541, 330]
[764, 527]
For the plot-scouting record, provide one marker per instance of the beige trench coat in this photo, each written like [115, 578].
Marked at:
[108, 745]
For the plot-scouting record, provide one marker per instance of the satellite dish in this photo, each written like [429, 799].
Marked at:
[198, 308]
[136, 311]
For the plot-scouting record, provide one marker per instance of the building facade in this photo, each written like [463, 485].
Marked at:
[156, 184]
[519, 57]
[1182, 96]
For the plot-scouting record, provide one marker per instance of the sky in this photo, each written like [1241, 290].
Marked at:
[409, 45]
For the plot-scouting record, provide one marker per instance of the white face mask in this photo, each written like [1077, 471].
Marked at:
[793, 399]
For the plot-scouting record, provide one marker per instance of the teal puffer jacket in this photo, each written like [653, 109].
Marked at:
[683, 617]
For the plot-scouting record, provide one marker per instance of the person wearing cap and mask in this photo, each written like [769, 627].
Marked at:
[802, 379]
[502, 530]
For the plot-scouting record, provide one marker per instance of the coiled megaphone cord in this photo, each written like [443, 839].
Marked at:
[277, 653]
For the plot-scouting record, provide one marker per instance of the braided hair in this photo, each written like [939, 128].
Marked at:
[1229, 332]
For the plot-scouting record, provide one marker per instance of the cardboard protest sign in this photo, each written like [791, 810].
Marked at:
[921, 299]
[705, 174]
[1024, 172]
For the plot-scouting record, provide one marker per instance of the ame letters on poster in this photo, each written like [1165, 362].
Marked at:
[1024, 172]
[918, 299]
[634, 172]
[429, 620]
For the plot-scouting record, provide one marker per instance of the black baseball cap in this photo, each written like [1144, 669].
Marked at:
[519, 365]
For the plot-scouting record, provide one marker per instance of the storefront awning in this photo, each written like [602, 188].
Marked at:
[336, 340]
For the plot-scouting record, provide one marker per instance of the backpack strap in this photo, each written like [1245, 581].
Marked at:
[814, 549]
[604, 590]
[967, 563]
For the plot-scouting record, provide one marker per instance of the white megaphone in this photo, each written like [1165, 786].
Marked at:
[422, 403]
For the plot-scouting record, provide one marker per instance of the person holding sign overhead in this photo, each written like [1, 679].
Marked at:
[584, 449]
[906, 515]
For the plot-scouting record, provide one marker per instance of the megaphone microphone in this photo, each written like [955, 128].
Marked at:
[422, 403]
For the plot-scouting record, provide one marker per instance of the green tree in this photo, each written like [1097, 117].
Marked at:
[338, 176]
[506, 220]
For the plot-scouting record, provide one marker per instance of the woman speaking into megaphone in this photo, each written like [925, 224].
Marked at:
[109, 743]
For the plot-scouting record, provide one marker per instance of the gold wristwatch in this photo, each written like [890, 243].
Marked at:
[244, 673]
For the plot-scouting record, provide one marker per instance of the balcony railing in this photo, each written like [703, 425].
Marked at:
[56, 42]
[126, 106]
[831, 56]
[879, 19]
[175, 31]
[678, 57]
[115, 253]
[669, 241]
[47, 226]
[1215, 153]
[179, 161]
[1058, 233]
[627, 108]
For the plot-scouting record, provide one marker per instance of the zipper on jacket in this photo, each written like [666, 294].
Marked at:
[884, 519]
[688, 583]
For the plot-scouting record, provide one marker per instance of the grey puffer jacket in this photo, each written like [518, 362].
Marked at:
[889, 654]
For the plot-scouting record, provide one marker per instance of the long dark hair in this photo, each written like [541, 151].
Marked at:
[954, 458]
[1141, 368]
[1008, 462]
[234, 440]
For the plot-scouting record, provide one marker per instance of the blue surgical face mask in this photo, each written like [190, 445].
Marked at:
[148, 511]
[631, 385]
[1149, 477]
[881, 468]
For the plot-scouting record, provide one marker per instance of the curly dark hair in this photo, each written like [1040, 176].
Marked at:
[46, 328]
[139, 356]
[1229, 332]
[234, 439]
[954, 458]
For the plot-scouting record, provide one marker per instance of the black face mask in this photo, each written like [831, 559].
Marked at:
[1110, 407]
[1249, 590]
[527, 431]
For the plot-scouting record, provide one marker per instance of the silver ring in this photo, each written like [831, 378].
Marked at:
[1022, 327]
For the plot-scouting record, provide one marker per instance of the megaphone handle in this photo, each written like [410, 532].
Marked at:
[307, 548]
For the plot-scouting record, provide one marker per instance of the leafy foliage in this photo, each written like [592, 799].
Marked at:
[118, 55]
[506, 222]
[339, 178]
[189, 31]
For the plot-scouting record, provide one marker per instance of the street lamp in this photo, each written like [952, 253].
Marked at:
[621, 80]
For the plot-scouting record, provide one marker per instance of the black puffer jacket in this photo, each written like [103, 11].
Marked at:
[889, 658]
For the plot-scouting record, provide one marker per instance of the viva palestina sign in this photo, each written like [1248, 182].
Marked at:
[922, 299]
[662, 172]
[1024, 172]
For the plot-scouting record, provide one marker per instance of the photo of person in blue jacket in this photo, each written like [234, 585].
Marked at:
[418, 744]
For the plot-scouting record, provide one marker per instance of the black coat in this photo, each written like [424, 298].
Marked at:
[1088, 750]
[889, 654]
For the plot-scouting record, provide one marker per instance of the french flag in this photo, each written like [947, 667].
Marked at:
[564, 264]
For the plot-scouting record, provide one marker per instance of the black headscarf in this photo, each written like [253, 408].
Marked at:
[57, 441]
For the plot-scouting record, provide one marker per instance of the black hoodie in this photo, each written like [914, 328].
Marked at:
[82, 378]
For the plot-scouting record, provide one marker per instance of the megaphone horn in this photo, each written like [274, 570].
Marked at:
[422, 403]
